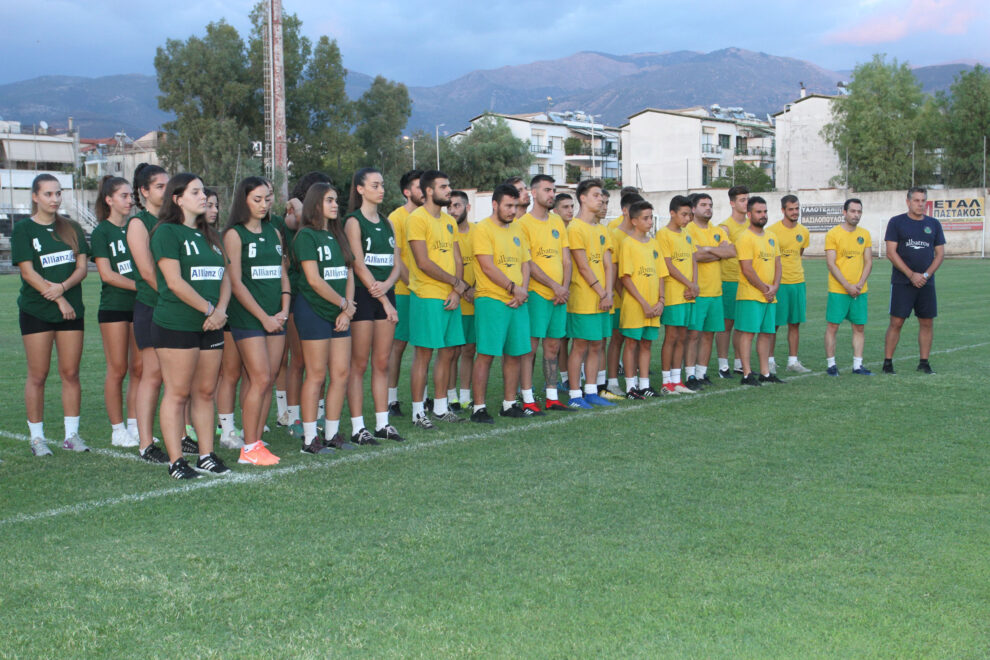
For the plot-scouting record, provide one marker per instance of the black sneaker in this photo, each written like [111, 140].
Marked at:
[481, 416]
[181, 470]
[649, 393]
[455, 406]
[155, 455]
[364, 437]
[724, 373]
[422, 421]
[772, 378]
[428, 405]
[189, 446]
[692, 383]
[888, 367]
[925, 368]
[737, 370]
[750, 380]
[705, 381]
[389, 433]
[515, 411]
[211, 463]
[395, 409]
[316, 447]
[634, 395]
[338, 442]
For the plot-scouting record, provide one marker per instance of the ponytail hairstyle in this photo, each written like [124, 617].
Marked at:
[354, 202]
[239, 212]
[143, 174]
[108, 187]
[171, 213]
[65, 229]
[312, 217]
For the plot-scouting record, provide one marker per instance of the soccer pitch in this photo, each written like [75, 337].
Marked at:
[823, 517]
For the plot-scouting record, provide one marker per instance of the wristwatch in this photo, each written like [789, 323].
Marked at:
[925, 275]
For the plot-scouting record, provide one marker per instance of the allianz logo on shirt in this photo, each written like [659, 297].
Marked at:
[205, 273]
[57, 258]
[335, 273]
[379, 259]
[917, 245]
[266, 272]
[124, 267]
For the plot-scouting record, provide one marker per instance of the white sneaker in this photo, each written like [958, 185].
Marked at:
[231, 440]
[283, 419]
[680, 389]
[39, 447]
[799, 368]
[121, 438]
[265, 431]
[74, 443]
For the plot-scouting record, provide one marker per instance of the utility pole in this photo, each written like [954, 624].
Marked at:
[438, 144]
[275, 148]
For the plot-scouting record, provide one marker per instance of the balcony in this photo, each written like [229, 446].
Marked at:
[709, 148]
[754, 151]
[542, 149]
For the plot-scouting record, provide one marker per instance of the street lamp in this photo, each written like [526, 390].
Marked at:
[438, 144]
[413, 140]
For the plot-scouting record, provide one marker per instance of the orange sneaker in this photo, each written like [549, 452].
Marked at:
[258, 455]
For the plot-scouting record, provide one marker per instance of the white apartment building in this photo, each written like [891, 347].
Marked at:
[804, 159]
[119, 155]
[689, 148]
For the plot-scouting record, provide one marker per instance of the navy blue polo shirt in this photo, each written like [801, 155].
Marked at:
[916, 241]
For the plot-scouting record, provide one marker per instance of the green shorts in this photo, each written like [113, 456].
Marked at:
[756, 317]
[590, 327]
[402, 309]
[708, 315]
[791, 303]
[677, 315]
[729, 290]
[545, 318]
[467, 320]
[841, 306]
[615, 316]
[500, 329]
[650, 333]
[432, 326]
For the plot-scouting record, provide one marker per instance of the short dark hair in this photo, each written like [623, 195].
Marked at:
[753, 201]
[306, 181]
[735, 191]
[561, 197]
[513, 180]
[628, 199]
[541, 177]
[851, 200]
[408, 178]
[788, 199]
[639, 206]
[504, 190]
[697, 197]
[460, 193]
[678, 202]
[628, 189]
[584, 186]
[605, 192]
[427, 178]
[917, 189]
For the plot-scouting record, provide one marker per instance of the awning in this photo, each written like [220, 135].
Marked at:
[40, 149]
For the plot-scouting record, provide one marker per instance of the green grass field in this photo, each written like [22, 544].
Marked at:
[825, 517]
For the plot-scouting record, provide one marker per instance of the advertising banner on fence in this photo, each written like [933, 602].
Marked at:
[821, 217]
[960, 214]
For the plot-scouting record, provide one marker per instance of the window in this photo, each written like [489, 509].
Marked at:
[704, 175]
[723, 140]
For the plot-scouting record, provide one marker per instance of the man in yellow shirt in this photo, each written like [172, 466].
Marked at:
[409, 184]
[502, 258]
[435, 287]
[680, 291]
[849, 255]
[522, 204]
[792, 240]
[756, 295]
[549, 288]
[734, 226]
[619, 229]
[563, 205]
[463, 361]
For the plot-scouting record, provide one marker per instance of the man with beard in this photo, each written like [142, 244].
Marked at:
[463, 361]
[792, 239]
[849, 256]
[734, 226]
[522, 204]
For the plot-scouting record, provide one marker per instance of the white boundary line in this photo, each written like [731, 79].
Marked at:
[253, 477]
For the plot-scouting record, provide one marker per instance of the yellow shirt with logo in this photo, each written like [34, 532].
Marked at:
[849, 247]
[730, 267]
[594, 240]
[615, 222]
[547, 240]
[790, 242]
[646, 267]
[709, 272]
[508, 249]
[398, 218]
[763, 252]
[679, 248]
[467, 258]
[438, 234]
[618, 238]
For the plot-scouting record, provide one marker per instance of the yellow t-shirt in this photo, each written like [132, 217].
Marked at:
[709, 272]
[618, 238]
[849, 247]
[790, 242]
[730, 267]
[593, 239]
[398, 218]
[644, 264]
[507, 248]
[438, 234]
[615, 222]
[763, 252]
[467, 258]
[679, 248]
[547, 240]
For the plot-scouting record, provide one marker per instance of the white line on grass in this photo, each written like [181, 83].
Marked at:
[254, 477]
[95, 450]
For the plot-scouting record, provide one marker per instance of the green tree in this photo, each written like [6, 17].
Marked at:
[743, 174]
[880, 126]
[966, 121]
[488, 155]
[382, 113]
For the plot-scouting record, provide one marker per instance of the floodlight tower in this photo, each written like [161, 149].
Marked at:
[276, 155]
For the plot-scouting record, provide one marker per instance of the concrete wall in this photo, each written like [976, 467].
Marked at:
[664, 148]
[804, 159]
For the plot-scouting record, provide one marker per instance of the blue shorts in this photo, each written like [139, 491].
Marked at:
[246, 333]
[905, 298]
[312, 327]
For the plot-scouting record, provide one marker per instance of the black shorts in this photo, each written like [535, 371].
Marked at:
[905, 298]
[142, 325]
[115, 316]
[368, 308]
[205, 341]
[31, 325]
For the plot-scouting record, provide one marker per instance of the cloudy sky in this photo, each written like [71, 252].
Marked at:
[427, 43]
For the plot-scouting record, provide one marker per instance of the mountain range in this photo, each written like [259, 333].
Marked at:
[612, 86]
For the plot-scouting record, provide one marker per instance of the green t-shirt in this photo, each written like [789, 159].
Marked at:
[261, 272]
[53, 260]
[145, 294]
[288, 235]
[378, 243]
[201, 265]
[109, 241]
[321, 247]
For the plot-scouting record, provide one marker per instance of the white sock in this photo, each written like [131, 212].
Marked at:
[71, 425]
[666, 376]
[583, 377]
[465, 396]
[226, 423]
[393, 395]
[417, 409]
[602, 377]
[689, 372]
[766, 375]
[613, 381]
[203, 457]
[574, 394]
[132, 426]
[675, 376]
[321, 409]
[791, 359]
[478, 406]
[452, 396]
[357, 423]
[644, 383]
[551, 394]
[563, 378]
[723, 364]
[632, 383]
[309, 432]
[772, 364]
[440, 406]
[117, 427]
[590, 388]
[737, 363]
[857, 362]
[252, 445]
[700, 371]
[281, 403]
[381, 420]
[36, 429]
[830, 362]
[333, 425]
[507, 404]
[293, 414]
[527, 396]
